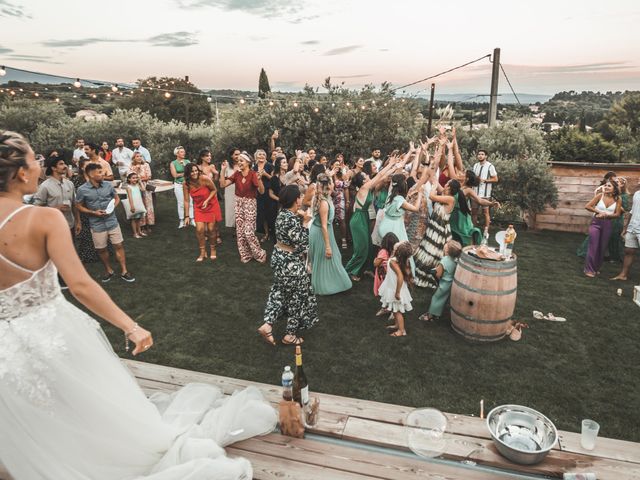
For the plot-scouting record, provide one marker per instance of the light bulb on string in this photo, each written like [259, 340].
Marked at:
[21, 90]
[209, 99]
[242, 101]
[271, 103]
[108, 95]
[316, 109]
[142, 90]
[36, 94]
[167, 95]
[363, 107]
[75, 96]
[94, 96]
[121, 93]
[114, 88]
[373, 102]
[295, 104]
[3, 71]
[57, 100]
[12, 92]
[333, 104]
[77, 83]
[348, 104]
[385, 104]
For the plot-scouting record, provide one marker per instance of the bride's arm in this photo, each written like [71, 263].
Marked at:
[62, 252]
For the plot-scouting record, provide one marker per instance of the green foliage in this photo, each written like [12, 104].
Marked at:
[511, 138]
[180, 107]
[158, 136]
[335, 127]
[571, 145]
[570, 107]
[525, 182]
[25, 116]
[263, 84]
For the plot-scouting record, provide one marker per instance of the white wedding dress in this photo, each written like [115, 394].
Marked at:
[69, 410]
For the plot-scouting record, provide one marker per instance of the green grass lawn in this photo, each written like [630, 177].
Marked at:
[204, 318]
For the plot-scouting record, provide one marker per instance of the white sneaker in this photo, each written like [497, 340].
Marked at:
[181, 225]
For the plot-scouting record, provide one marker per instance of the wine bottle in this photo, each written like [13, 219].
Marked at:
[300, 385]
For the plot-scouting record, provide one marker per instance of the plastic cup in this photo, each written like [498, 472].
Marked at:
[589, 434]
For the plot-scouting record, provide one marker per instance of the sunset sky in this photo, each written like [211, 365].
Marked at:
[547, 46]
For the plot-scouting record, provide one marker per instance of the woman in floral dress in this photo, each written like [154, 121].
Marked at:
[291, 294]
[142, 169]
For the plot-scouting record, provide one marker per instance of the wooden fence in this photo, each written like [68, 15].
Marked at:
[576, 183]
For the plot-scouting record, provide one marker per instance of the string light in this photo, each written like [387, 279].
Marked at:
[57, 100]
[75, 96]
[114, 88]
[167, 95]
[316, 109]
[36, 94]
[108, 95]
[348, 104]
[3, 71]
[77, 83]
[295, 104]
[271, 103]
[242, 101]
[209, 99]
[12, 92]
[363, 107]
[94, 96]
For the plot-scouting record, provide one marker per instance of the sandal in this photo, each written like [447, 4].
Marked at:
[398, 333]
[391, 327]
[381, 312]
[267, 336]
[354, 278]
[426, 317]
[296, 340]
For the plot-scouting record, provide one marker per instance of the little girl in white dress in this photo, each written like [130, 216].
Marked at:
[394, 291]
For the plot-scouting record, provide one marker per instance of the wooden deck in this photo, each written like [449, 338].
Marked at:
[359, 439]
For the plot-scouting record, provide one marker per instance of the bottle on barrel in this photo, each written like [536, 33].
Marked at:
[287, 384]
[509, 240]
[300, 385]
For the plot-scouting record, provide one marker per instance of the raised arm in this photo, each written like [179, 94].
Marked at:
[224, 181]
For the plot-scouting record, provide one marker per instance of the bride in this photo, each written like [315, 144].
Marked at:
[68, 408]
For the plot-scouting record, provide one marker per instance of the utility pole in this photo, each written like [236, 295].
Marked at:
[433, 89]
[493, 98]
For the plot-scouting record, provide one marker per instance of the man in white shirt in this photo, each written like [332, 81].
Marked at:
[121, 157]
[375, 157]
[137, 147]
[486, 173]
[631, 235]
[78, 153]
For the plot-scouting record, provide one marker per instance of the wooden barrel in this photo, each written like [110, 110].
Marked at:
[483, 297]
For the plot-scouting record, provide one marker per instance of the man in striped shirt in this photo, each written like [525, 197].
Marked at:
[486, 173]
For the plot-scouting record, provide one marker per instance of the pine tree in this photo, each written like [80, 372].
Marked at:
[263, 84]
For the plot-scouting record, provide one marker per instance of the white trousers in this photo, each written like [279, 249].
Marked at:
[177, 189]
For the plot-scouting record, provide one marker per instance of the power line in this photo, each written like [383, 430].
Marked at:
[512, 90]
[441, 73]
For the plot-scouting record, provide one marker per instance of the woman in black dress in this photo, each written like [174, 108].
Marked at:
[86, 249]
[291, 294]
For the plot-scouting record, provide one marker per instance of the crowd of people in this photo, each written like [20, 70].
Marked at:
[406, 216]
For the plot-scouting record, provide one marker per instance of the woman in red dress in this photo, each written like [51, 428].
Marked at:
[206, 208]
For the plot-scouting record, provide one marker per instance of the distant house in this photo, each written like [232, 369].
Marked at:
[550, 126]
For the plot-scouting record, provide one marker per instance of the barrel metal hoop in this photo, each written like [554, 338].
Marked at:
[482, 338]
[489, 264]
[499, 273]
[477, 320]
[484, 292]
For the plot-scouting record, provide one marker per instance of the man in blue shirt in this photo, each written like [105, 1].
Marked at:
[137, 147]
[94, 198]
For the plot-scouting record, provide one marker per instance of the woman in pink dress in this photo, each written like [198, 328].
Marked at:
[206, 208]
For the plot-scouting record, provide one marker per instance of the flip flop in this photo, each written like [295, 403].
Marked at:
[296, 341]
[267, 337]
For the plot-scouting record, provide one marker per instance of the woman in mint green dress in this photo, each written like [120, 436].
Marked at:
[328, 276]
[445, 271]
[359, 224]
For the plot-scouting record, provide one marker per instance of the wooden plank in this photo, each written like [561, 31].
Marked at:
[562, 228]
[357, 460]
[460, 447]
[563, 219]
[582, 212]
[605, 447]
[265, 468]
[156, 375]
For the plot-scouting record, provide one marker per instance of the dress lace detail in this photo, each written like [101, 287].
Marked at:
[29, 337]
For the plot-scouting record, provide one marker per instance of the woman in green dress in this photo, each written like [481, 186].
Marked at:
[462, 228]
[328, 276]
[616, 242]
[445, 271]
[359, 224]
